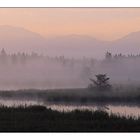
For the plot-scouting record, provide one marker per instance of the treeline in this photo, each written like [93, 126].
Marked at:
[22, 58]
[109, 56]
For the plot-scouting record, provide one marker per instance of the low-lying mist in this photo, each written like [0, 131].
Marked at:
[33, 71]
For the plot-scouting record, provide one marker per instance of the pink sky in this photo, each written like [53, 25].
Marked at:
[101, 23]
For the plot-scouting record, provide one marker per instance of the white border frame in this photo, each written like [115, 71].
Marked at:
[69, 3]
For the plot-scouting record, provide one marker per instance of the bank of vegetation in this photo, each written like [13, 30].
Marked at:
[42, 119]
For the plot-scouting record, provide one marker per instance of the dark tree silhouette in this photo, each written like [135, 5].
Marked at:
[3, 56]
[108, 56]
[101, 83]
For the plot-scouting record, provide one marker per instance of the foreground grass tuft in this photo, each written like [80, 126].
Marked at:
[42, 119]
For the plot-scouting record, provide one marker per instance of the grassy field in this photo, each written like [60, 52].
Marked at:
[41, 119]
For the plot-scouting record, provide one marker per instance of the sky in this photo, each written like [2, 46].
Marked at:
[101, 23]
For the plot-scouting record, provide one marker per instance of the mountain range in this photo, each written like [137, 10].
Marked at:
[17, 39]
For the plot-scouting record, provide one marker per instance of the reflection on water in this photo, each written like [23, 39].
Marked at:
[117, 109]
[125, 110]
[17, 103]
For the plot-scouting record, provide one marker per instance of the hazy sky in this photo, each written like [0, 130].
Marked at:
[102, 23]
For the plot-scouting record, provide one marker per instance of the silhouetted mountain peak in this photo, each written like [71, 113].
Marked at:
[131, 36]
[13, 32]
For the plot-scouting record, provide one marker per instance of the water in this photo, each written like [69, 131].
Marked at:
[17, 103]
[122, 110]
[118, 109]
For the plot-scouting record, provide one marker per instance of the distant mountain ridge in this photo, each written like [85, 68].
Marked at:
[15, 39]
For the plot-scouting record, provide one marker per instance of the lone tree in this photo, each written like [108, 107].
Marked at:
[101, 83]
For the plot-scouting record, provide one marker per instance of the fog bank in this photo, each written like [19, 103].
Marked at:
[27, 71]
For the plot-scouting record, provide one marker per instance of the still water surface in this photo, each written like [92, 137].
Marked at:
[122, 110]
